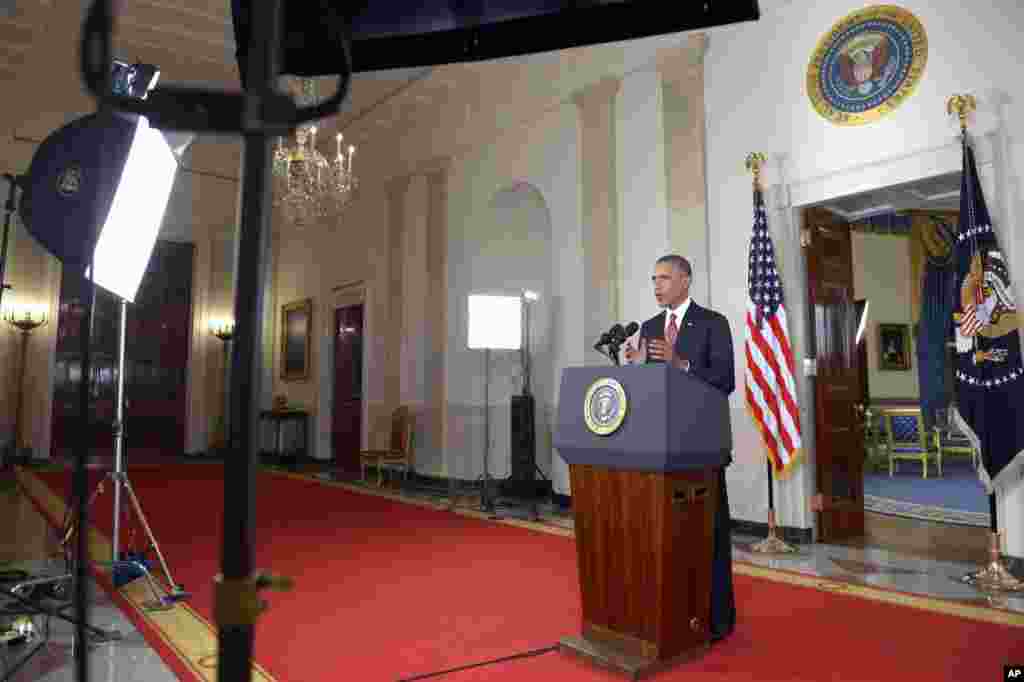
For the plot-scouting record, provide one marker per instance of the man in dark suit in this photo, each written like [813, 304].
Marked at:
[695, 340]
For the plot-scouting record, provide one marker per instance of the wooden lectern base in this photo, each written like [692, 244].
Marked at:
[632, 666]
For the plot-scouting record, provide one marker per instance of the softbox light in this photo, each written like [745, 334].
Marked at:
[495, 322]
[107, 175]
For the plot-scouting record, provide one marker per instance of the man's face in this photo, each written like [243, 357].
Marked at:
[671, 285]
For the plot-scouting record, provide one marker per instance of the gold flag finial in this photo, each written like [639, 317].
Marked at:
[962, 106]
[754, 162]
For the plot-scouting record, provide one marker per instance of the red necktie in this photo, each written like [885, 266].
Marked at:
[672, 331]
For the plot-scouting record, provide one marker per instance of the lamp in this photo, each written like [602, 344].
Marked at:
[26, 318]
[225, 331]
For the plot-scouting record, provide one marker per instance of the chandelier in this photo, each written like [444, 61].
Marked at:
[308, 187]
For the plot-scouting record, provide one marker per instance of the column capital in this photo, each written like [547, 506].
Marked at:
[684, 61]
[601, 90]
[397, 185]
[437, 165]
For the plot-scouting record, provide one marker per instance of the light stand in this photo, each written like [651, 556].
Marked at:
[225, 331]
[486, 501]
[256, 115]
[26, 320]
[530, 297]
[120, 479]
[495, 323]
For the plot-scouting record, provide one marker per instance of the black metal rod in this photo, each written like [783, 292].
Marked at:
[9, 208]
[993, 521]
[771, 493]
[80, 483]
[235, 640]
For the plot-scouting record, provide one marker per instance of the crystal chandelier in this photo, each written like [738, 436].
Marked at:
[308, 187]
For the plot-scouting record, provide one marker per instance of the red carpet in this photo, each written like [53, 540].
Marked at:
[386, 590]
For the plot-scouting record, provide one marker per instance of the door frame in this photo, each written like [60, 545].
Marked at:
[350, 293]
[785, 201]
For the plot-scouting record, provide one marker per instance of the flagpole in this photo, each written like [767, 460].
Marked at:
[994, 577]
[772, 544]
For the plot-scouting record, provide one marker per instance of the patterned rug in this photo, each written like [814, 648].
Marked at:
[925, 512]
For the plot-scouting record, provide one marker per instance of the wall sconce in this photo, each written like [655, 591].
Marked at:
[223, 329]
[26, 318]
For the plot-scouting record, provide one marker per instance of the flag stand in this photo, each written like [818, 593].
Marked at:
[994, 577]
[765, 266]
[772, 544]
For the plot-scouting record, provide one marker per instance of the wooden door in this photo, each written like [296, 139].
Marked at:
[346, 428]
[839, 441]
[158, 333]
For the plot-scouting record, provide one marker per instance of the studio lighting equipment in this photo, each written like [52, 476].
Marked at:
[495, 323]
[95, 197]
[108, 175]
[133, 80]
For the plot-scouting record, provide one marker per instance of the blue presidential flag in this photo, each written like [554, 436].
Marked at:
[989, 374]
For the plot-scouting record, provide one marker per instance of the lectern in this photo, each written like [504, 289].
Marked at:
[644, 445]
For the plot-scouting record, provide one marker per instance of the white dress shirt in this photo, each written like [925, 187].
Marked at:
[679, 311]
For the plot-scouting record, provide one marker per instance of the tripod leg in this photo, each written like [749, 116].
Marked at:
[149, 533]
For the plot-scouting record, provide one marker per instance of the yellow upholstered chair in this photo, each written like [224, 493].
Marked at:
[950, 440]
[908, 439]
[399, 453]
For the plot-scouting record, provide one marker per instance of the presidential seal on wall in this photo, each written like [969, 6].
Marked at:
[867, 65]
[605, 406]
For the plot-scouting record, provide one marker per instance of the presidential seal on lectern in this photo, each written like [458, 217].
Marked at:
[605, 406]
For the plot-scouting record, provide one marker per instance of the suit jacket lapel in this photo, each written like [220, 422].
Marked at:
[687, 326]
[659, 324]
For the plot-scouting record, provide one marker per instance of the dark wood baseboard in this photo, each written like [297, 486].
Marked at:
[759, 529]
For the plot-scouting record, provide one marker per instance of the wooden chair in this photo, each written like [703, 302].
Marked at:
[950, 440]
[399, 454]
[908, 439]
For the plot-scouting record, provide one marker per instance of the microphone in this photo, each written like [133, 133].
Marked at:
[610, 336]
[631, 329]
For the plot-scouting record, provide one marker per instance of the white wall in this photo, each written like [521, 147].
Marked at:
[756, 101]
[503, 240]
[881, 275]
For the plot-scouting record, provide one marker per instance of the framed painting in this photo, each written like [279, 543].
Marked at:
[893, 347]
[296, 328]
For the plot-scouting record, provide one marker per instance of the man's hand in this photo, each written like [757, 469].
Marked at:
[659, 349]
[632, 355]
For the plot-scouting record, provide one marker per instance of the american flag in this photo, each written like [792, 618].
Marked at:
[770, 375]
[989, 365]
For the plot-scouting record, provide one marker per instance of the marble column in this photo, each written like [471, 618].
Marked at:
[599, 192]
[682, 86]
[643, 211]
[201, 345]
[436, 418]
